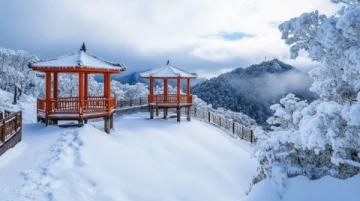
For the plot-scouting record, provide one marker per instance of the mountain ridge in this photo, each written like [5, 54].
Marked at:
[254, 89]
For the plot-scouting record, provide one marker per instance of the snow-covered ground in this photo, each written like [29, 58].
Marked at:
[302, 189]
[144, 160]
[140, 160]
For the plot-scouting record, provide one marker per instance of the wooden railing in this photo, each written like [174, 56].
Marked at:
[65, 105]
[217, 118]
[40, 105]
[170, 99]
[10, 130]
[132, 102]
[72, 104]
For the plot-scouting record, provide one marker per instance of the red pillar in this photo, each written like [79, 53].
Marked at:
[165, 89]
[151, 90]
[55, 89]
[81, 94]
[178, 90]
[107, 83]
[107, 92]
[48, 93]
[86, 88]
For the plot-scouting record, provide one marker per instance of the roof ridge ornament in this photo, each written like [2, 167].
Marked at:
[83, 47]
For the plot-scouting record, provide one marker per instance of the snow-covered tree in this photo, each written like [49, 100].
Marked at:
[333, 41]
[126, 91]
[325, 136]
[239, 117]
[287, 114]
[14, 71]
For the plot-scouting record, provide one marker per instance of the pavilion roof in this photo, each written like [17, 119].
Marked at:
[168, 71]
[78, 60]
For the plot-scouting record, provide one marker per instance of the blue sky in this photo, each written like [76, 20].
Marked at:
[208, 37]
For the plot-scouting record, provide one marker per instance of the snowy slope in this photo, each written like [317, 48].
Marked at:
[302, 189]
[140, 160]
[144, 160]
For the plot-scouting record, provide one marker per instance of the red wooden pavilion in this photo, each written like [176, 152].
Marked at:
[81, 108]
[165, 100]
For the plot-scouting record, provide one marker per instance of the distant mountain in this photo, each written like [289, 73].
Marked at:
[130, 78]
[134, 77]
[254, 89]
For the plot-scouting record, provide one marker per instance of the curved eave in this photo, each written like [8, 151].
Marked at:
[75, 69]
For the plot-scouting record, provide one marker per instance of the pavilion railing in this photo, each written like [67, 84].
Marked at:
[65, 105]
[41, 105]
[170, 99]
[10, 130]
[72, 104]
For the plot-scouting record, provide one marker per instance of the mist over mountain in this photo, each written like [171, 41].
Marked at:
[254, 89]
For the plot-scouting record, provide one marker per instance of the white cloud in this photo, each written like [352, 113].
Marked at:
[153, 27]
[157, 27]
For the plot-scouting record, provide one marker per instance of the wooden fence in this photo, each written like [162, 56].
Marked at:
[211, 116]
[132, 102]
[215, 117]
[10, 130]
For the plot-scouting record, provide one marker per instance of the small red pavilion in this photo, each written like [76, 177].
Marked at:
[165, 100]
[81, 108]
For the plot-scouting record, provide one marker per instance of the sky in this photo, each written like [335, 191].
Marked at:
[205, 36]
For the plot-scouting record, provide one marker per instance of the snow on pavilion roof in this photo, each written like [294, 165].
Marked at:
[167, 71]
[78, 60]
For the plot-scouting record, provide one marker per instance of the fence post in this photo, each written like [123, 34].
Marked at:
[209, 117]
[7, 113]
[242, 132]
[233, 127]
[3, 129]
[251, 136]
